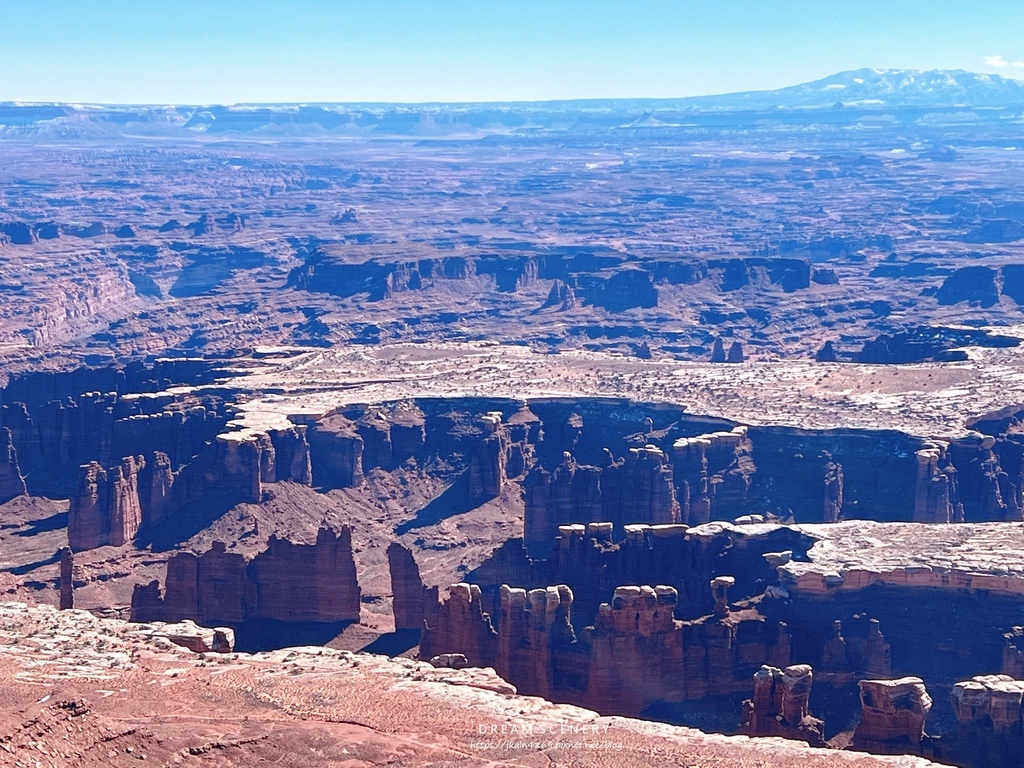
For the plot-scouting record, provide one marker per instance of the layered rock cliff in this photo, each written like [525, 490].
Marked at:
[636, 654]
[12, 483]
[413, 603]
[106, 509]
[286, 582]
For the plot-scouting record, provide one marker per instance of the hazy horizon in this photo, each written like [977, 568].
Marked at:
[312, 51]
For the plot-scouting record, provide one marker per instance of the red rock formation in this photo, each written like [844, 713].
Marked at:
[156, 489]
[780, 705]
[833, 506]
[535, 629]
[106, 509]
[67, 585]
[639, 489]
[12, 484]
[1013, 653]
[413, 602]
[995, 700]
[636, 654]
[230, 470]
[713, 474]
[990, 723]
[292, 460]
[985, 489]
[463, 626]
[306, 582]
[893, 714]
[932, 494]
[570, 494]
[286, 582]
[336, 453]
[487, 462]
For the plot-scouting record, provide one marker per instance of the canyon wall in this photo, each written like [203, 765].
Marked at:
[634, 656]
[12, 482]
[286, 582]
[413, 603]
[608, 280]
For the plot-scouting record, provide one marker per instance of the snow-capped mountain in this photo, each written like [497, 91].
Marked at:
[880, 87]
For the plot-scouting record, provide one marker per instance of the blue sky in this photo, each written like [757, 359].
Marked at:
[230, 51]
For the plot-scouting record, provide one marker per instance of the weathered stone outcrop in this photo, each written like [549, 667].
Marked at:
[487, 472]
[413, 602]
[928, 344]
[634, 656]
[463, 626]
[780, 705]
[636, 489]
[594, 559]
[936, 487]
[336, 453]
[570, 494]
[235, 468]
[561, 295]
[977, 285]
[286, 582]
[292, 459]
[66, 579]
[833, 503]
[156, 489]
[986, 490]
[625, 289]
[536, 629]
[713, 473]
[55, 436]
[106, 509]
[893, 714]
[860, 651]
[1013, 653]
[990, 729]
[639, 489]
[12, 483]
[194, 637]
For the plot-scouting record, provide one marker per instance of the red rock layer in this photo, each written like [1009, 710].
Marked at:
[286, 582]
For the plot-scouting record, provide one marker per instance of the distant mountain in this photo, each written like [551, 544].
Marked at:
[855, 91]
[880, 88]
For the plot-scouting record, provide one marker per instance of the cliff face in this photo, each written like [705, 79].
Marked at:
[287, 582]
[989, 719]
[893, 713]
[414, 604]
[713, 473]
[608, 281]
[568, 494]
[780, 707]
[590, 561]
[12, 483]
[106, 509]
[626, 463]
[637, 489]
[58, 435]
[336, 453]
[636, 655]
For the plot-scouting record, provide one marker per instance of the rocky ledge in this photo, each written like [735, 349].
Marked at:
[856, 554]
[84, 691]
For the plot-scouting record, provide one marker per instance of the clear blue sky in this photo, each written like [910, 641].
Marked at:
[229, 51]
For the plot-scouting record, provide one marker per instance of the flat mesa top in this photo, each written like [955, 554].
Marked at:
[858, 553]
[925, 399]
